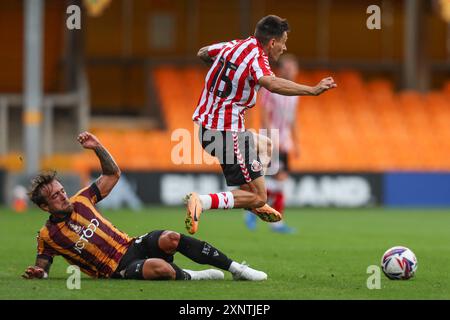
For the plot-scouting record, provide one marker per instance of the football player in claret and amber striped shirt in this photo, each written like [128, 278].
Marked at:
[78, 232]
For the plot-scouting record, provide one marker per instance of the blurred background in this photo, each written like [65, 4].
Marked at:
[130, 75]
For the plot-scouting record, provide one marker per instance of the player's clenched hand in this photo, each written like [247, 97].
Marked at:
[33, 272]
[324, 85]
[88, 140]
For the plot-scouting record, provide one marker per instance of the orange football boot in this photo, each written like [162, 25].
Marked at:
[193, 210]
[267, 213]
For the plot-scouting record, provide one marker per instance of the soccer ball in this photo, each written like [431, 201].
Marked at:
[399, 263]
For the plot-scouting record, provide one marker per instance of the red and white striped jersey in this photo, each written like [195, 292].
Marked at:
[231, 84]
[281, 114]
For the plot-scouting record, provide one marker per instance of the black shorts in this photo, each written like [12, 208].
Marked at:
[143, 248]
[236, 152]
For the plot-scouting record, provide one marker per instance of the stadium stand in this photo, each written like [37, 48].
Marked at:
[363, 126]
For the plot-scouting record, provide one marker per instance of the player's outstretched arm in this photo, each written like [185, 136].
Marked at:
[110, 170]
[290, 88]
[39, 271]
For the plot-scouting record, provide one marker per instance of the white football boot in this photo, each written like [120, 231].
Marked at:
[247, 273]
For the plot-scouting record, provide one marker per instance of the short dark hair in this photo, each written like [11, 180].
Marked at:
[270, 27]
[37, 183]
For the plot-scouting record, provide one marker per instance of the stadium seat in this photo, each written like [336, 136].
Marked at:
[364, 125]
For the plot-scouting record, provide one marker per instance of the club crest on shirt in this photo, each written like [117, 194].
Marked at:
[75, 227]
[256, 166]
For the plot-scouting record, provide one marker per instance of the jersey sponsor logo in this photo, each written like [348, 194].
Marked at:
[256, 166]
[86, 235]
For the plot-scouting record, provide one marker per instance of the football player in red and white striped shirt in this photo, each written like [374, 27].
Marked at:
[238, 69]
[279, 112]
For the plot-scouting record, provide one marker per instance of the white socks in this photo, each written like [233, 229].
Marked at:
[234, 267]
[222, 200]
[208, 274]
[206, 201]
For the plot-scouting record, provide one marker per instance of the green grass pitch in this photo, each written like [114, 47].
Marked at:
[326, 259]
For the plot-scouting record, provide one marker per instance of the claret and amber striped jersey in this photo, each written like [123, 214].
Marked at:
[84, 238]
[231, 84]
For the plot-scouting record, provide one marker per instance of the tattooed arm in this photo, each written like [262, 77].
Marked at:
[110, 170]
